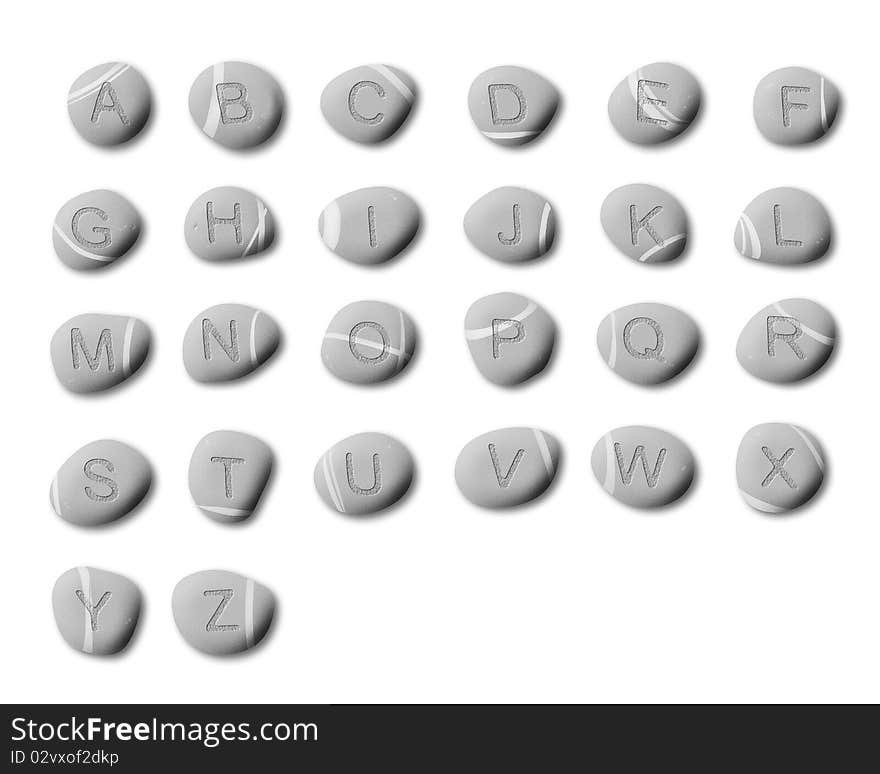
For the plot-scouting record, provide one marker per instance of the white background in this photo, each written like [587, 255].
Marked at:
[575, 598]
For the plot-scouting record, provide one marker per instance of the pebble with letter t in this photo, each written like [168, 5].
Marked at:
[222, 613]
[109, 104]
[228, 473]
[96, 611]
[93, 352]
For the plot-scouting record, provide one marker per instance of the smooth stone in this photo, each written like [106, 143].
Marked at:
[109, 104]
[507, 467]
[368, 103]
[795, 105]
[93, 352]
[512, 105]
[784, 225]
[648, 343]
[101, 482]
[364, 473]
[238, 105]
[655, 103]
[368, 342]
[787, 341]
[227, 223]
[645, 223]
[511, 224]
[643, 467]
[779, 467]
[229, 341]
[96, 611]
[370, 225]
[228, 472]
[510, 337]
[222, 613]
[94, 229]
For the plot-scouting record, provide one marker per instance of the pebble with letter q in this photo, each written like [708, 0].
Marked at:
[648, 343]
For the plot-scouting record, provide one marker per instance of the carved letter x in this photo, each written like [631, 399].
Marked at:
[778, 468]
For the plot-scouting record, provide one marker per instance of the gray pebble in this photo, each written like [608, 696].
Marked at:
[109, 104]
[228, 341]
[364, 473]
[94, 229]
[510, 337]
[228, 473]
[511, 224]
[369, 103]
[648, 343]
[93, 352]
[228, 222]
[787, 341]
[655, 103]
[645, 223]
[368, 342]
[96, 611]
[779, 467]
[370, 225]
[644, 467]
[222, 613]
[795, 105]
[784, 225]
[238, 105]
[507, 467]
[99, 483]
[512, 105]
